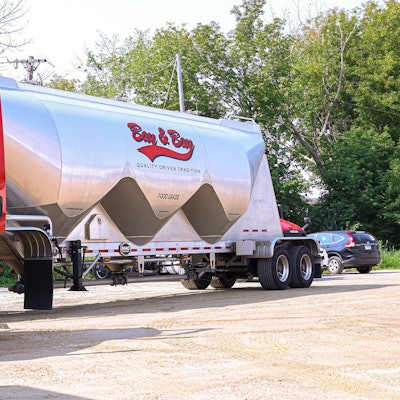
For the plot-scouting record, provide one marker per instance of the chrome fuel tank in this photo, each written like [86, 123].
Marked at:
[67, 153]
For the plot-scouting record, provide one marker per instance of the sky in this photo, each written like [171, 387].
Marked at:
[60, 30]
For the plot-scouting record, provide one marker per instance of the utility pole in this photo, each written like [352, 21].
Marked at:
[30, 65]
[180, 83]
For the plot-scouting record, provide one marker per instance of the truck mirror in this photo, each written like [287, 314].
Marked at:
[307, 222]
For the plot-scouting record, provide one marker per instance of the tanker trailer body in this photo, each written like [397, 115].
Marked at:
[127, 184]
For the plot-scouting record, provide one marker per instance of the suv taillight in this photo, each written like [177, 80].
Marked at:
[350, 241]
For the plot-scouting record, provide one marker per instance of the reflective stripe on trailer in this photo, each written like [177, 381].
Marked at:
[136, 251]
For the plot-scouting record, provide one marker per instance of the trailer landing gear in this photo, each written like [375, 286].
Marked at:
[77, 268]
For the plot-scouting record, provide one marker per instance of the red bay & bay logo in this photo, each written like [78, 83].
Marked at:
[167, 143]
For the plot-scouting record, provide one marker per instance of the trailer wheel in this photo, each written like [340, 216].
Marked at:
[302, 265]
[274, 272]
[225, 281]
[197, 283]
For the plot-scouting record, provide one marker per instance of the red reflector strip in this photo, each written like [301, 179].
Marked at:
[255, 230]
[245, 230]
[161, 249]
[264, 230]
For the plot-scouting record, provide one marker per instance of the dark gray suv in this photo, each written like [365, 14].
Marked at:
[349, 249]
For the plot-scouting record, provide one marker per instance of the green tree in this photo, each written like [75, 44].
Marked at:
[392, 200]
[375, 79]
[345, 110]
[104, 70]
[257, 81]
[58, 82]
[315, 117]
[359, 172]
[143, 69]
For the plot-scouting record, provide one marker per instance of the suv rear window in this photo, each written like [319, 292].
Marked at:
[362, 237]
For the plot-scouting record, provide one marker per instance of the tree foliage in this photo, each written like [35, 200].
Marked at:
[360, 164]
[359, 169]
[375, 79]
[61, 83]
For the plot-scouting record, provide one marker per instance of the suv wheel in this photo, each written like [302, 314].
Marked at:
[335, 265]
[364, 269]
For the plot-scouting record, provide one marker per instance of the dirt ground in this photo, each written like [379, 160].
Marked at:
[338, 339]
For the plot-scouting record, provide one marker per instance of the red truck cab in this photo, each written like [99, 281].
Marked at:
[291, 229]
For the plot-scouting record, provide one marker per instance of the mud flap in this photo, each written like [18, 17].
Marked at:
[38, 282]
[317, 270]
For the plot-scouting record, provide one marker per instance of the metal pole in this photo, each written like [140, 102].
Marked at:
[30, 67]
[77, 268]
[180, 83]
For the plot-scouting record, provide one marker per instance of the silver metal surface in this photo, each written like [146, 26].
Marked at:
[104, 170]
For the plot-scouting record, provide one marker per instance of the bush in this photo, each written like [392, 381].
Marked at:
[7, 275]
[390, 259]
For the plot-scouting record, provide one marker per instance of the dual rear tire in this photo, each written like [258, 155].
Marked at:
[288, 267]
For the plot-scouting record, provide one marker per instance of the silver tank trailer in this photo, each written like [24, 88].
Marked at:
[67, 154]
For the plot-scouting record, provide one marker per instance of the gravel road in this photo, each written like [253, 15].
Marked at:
[337, 340]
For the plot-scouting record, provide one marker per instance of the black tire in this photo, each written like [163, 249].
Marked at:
[119, 279]
[302, 265]
[274, 272]
[198, 283]
[101, 272]
[364, 269]
[335, 266]
[223, 282]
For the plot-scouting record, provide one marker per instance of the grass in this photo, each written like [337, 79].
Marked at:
[390, 259]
